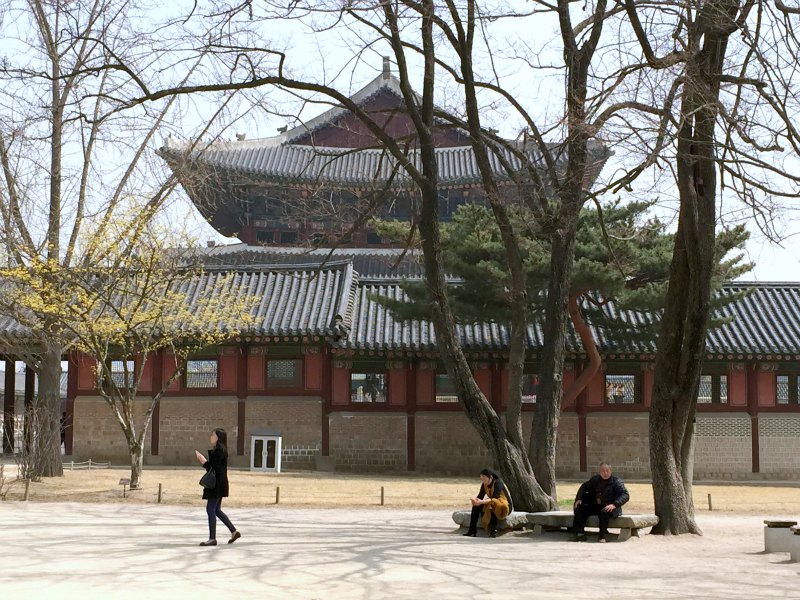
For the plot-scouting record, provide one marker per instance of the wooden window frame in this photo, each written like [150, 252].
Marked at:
[297, 383]
[792, 395]
[638, 388]
[209, 359]
[363, 371]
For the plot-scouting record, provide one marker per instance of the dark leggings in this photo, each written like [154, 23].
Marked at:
[214, 511]
[477, 512]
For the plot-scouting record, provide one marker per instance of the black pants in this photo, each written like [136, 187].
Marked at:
[214, 511]
[583, 512]
[477, 512]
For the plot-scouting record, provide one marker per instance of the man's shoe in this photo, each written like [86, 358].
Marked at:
[470, 534]
[577, 538]
[236, 535]
[601, 539]
[492, 534]
[209, 543]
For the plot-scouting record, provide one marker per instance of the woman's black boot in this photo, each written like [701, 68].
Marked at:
[470, 533]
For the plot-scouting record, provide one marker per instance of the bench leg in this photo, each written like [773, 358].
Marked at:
[625, 534]
[538, 530]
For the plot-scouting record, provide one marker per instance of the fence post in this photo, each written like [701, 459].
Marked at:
[382, 496]
[27, 485]
[159, 493]
[710, 508]
[277, 494]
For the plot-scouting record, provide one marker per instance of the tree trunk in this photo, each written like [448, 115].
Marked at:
[136, 451]
[544, 433]
[48, 423]
[681, 342]
[508, 459]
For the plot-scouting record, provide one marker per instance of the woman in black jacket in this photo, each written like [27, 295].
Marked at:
[217, 462]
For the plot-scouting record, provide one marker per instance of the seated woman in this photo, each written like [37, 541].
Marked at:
[493, 500]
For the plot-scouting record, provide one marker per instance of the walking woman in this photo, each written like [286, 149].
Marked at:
[493, 500]
[217, 462]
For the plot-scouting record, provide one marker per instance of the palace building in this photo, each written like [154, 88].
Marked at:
[348, 387]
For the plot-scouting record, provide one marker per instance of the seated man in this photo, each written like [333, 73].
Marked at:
[603, 495]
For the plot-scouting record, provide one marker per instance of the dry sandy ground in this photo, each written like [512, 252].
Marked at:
[143, 551]
[324, 490]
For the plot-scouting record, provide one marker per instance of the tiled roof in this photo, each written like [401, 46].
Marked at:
[12, 331]
[334, 301]
[764, 323]
[289, 301]
[389, 263]
[290, 164]
[384, 81]
[286, 301]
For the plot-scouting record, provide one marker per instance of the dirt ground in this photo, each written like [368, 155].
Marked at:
[135, 551]
[179, 486]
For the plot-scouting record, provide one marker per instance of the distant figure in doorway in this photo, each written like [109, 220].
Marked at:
[217, 462]
[493, 502]
[603, 495]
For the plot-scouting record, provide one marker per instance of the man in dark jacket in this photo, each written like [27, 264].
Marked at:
[603, 495]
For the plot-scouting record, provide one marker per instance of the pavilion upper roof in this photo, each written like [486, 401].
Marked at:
[253, 162]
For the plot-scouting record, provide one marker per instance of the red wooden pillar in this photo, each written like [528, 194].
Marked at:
[411, 416]
[241, 394]
[580, 409]
[751, 378]
[327, 391]
[9, 410]
[157, 374]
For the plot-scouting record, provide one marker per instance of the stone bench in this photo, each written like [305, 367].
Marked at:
[515, 520]
[778, 535]
[794, 544]
[560, 520]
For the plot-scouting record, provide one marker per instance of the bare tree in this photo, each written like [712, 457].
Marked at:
[550, 176]
[70, 149]
[730, 68]
[138, 300]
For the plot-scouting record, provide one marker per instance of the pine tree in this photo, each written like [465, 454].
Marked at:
[622, 260]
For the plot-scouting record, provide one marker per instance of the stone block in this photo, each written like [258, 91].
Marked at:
[778, 535]
[515, 520]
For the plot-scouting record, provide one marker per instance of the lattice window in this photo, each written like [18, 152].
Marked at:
[202, 374]
[786, 389]
[445, 390]
[285, 373]
[122, 373]
[369, 387]
[787, 427]
[713, 389]
[722, 427]
[622, 389]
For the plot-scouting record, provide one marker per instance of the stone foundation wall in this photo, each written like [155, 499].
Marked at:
[298, 419]
[98, 435]
[368, 442]
[187, 423]
[621, 440]
[779, 446]
[723, 447]
[447, 444]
